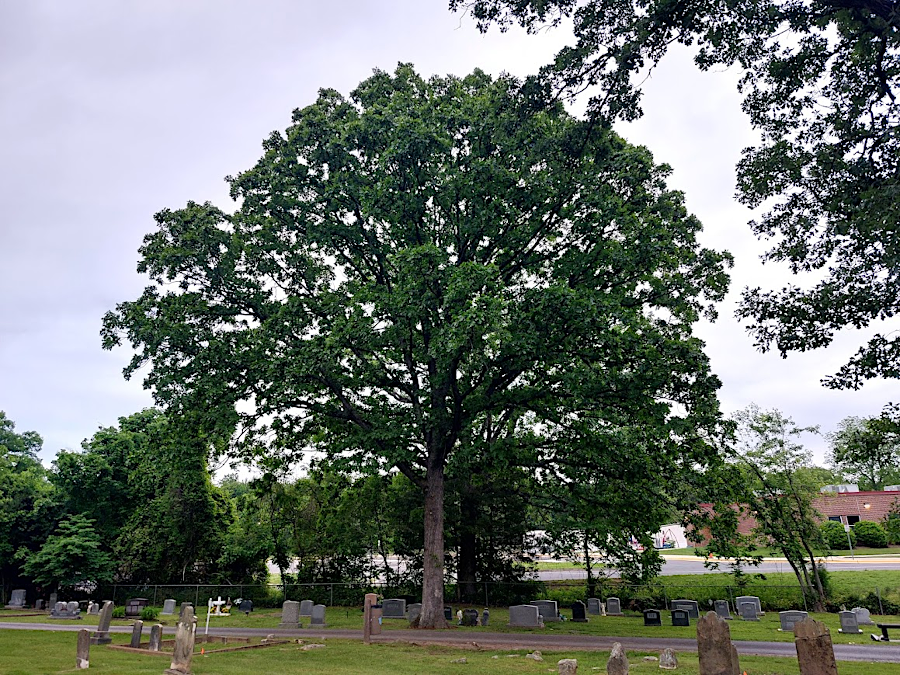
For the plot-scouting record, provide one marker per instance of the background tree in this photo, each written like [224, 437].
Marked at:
[778, 496]
[426, 258]
[27, 507]
[72, 557]
[819, 81]
[867, 451]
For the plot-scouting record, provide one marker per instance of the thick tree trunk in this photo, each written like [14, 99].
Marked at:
[432, 615]
[468, 551]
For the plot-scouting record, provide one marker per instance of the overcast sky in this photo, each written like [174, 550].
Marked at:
[112, 110]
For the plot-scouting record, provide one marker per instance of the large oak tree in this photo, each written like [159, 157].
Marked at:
[820, 81]
[441, 266]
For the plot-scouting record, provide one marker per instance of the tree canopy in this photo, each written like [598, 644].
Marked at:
[867, 450]
[819, 81]
[439, 267]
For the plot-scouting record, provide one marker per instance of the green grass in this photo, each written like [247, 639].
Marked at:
[44, 653]
[774, 553]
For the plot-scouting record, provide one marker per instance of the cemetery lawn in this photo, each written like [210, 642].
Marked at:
[893, 550]
[45, 653]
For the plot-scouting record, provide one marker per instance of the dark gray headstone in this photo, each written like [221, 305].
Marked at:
[690, 606]
[306, 607]
[525, 616]
[652, 617]
[738, 601]
[579, 612]
[863, 618]
[470, 617]
[448, 613]
[318, 616]
[413, 611]
[136, 629]
[681, 617]
[613, 607]
[722, 609]
[246, 606]
[290, 614]
[155, 637]
[134, 606]
[548, 609]
[394, 608]
[790, 617]
[593, 606]
[747, 611]
[168, 607]
[849, 623]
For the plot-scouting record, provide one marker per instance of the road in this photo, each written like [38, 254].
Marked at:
[693, 565]
[881, 653]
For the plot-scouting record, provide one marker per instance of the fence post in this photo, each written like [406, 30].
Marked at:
[878, 593]
[155, 588]
[486, 604]
[331, 591]
[196, 597]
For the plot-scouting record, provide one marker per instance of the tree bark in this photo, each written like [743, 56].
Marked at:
[432, 615]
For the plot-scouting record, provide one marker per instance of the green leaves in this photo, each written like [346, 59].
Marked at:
[71, 557]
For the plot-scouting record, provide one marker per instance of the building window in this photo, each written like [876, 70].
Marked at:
[851, 520]
[837, 519]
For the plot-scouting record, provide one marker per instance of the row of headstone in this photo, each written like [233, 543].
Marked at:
[17, 599]
[690, 606]
[791, 617]
[548, 609]
[101, 636]
[393, 608]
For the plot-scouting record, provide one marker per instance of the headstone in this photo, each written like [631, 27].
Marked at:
[613, 607]
[155, 637]
[579, 612]
[738, 601]
[168, 607]
[83, 650]
[593, 606]
[849, 623]
[318, 616]
[470, 617]
[815, 653]
[101, 637]
[652, 617]
[716, 653]
[17, 599]
[690, 606]
[290, 614]
[53, 600]
[747, 611]
[525, 616]
[448, 613]
[134, 606]
[413, 611]
[183, 608]
[136, 629]
[548, 609]
[246, 606]
[306, 607]
[618, 660]
[681, 617]
[863, 618]
[39, 604]
[184, 643]
[722, 609]
[790, 617]
[567, 667]
[394, 608]
[93, 608]
[485, 616]
[667, 659]
[66, 610]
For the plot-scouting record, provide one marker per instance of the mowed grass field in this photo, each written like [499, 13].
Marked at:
[45, 653]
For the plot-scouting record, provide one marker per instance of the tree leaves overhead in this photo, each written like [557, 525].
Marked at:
[819, 82]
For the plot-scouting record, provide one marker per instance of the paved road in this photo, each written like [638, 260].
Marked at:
[883, 653]
[693, 565]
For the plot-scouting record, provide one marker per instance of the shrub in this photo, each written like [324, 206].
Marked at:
[869, 533]
[834, 535]
[118, 613]
[149, 614]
